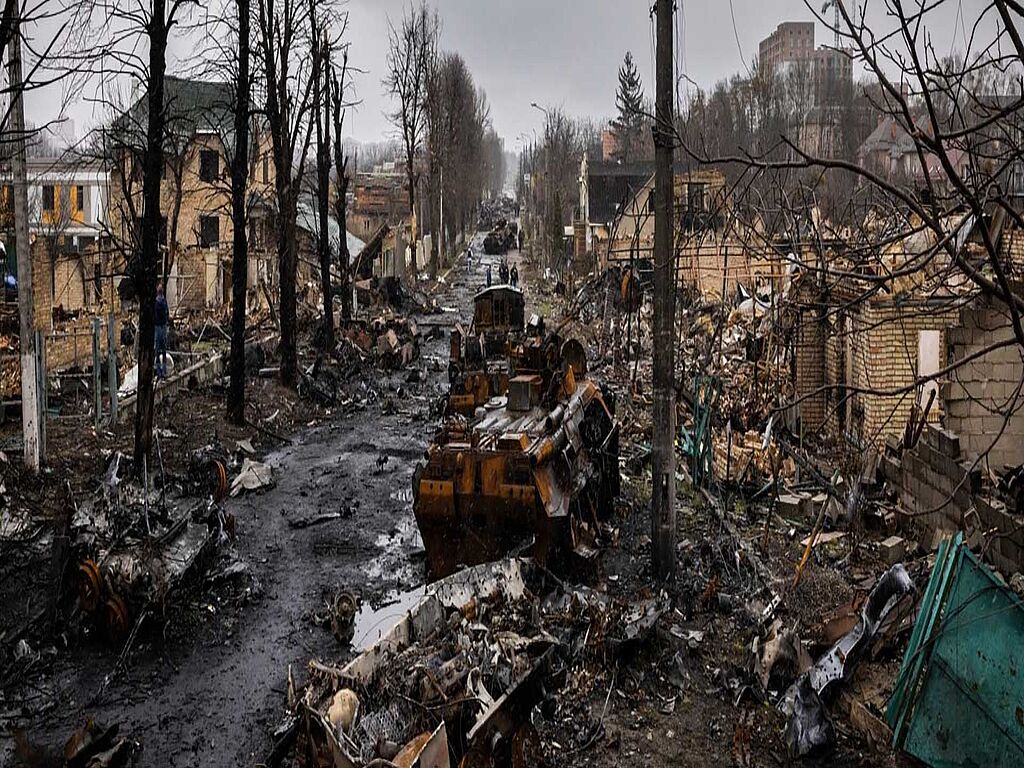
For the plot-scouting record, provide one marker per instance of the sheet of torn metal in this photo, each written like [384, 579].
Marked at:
[958, 698]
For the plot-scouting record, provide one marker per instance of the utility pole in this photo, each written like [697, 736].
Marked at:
[663, 461]
[31, 425]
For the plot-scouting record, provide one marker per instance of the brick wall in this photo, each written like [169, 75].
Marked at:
[834, 367]
[1012, 251]
[704, 263]
[979, 395]
[69, 283]
[188, 282]
[883, 350]
[809, 367]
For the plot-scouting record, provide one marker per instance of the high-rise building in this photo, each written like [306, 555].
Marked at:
[789, 52]
[790, 42]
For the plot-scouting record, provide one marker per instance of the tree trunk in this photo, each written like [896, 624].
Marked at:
[323, 180]
[413, 223]
[240, 244]
[146, 266]
[341, 212]
[287, 262]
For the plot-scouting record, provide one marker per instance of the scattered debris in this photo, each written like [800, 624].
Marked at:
[254, 476]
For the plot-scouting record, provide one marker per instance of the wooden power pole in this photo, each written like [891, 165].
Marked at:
[663, 464]
[31, 416]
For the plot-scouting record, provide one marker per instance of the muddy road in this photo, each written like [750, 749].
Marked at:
[209, 688]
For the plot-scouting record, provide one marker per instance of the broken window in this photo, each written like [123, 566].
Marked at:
[49, 197]
[209, 165]
[209, 231]
[79, 201]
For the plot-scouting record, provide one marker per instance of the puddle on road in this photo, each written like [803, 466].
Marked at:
[404, 495]
[393, 562]
[373, 623]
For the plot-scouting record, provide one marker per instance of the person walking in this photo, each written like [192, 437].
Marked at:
[513, 276]
[161, 317]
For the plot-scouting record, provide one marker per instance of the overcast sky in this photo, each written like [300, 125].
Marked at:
[567, 52]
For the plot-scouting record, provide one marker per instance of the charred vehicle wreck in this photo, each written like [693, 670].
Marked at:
[539, 463]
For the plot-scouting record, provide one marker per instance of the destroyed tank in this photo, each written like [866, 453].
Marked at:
[501, 239]
[539, 464]
[478, 361]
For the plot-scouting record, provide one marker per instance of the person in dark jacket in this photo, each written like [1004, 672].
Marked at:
[513, 276]
[161, 316]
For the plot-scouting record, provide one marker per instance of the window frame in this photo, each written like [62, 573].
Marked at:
[206, 174]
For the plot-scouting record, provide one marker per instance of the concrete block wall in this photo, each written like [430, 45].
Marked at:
[979, 395]
[941, 492]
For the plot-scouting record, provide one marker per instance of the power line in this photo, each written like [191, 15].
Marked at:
[736, 34]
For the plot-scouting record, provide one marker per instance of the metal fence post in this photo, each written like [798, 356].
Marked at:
[97, 371]
[112, 363]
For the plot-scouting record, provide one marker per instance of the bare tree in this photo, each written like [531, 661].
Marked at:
[322, 115]
[285, 44]
[239, 201]
[338, 105]
[412, 49]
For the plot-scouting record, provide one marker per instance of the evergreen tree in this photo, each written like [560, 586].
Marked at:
[629, 100]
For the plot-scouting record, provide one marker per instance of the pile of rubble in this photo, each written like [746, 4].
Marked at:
[392, 343]
[456, 680]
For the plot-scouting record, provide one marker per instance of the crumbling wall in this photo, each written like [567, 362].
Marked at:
[809, 368]
[189, 279]
[979, 395]
[69, 284]
[834, 370]
[42, 285]
[935, 491]
[1012, 251]
[883, 351]
[940, 492]
[708, 262]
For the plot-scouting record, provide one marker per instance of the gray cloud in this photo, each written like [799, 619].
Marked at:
[567, 52]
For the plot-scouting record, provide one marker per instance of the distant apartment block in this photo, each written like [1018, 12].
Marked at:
[789, 52]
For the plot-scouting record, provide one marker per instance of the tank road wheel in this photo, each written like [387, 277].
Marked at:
[116, 616]
[90, 585]
[218, 480]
